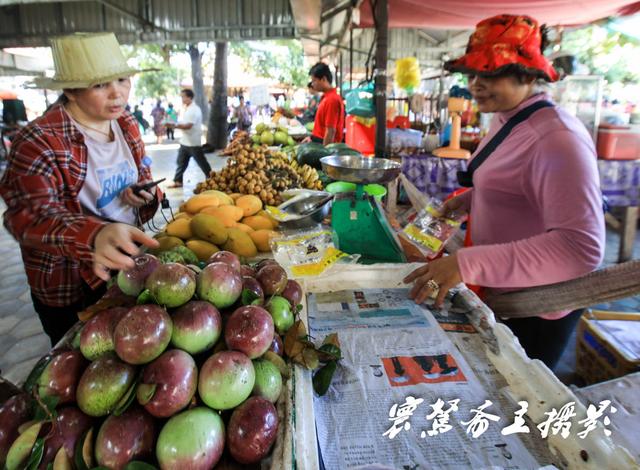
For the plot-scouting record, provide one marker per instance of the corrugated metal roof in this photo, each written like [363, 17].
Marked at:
[31, 24]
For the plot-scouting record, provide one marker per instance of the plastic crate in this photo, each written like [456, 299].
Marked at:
[597, 359]
[618, 143]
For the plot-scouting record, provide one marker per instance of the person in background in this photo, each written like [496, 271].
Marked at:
[191, 141]
[309, 114]
[535, 205]
[170, 120]
[328, 125]
[242, 115]
[158, 115]
[69, 182]
[137, 113]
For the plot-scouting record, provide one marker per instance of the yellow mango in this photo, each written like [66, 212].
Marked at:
[182, 215]
[249, 204]
[202, 249]
[261, 239]
[245, 228]
[240, 243]
[180, 228]
[166, 243]
[223, 197]
[209, 228]
[258, 222]
[264, 213]
[228, 214]
[197, 202]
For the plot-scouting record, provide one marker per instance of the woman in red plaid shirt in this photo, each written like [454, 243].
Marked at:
[68, 184]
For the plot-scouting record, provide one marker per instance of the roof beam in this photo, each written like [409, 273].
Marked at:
[427, 36]
[327, 15]
[142, 20]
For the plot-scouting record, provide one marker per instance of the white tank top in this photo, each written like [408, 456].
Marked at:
[110, 169]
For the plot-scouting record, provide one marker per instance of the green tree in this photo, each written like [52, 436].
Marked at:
[605, 52]
[160, 83]
[280, 60]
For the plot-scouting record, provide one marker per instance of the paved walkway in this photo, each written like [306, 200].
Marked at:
[22, 341]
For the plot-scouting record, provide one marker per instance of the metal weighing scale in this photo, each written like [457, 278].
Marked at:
[357, 217]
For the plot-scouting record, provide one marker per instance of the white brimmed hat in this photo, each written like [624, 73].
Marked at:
[82, 60]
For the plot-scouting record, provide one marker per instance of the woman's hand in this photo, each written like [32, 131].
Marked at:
[442, 272]
[141, 199]
[114, 246]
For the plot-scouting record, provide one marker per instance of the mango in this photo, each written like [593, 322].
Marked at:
[202, 249]
[180, 228]
[235, 196]
[209, 228]
[240, 243]
[264, 213]
[249, 204]
[199, 201]
[166, 243]
[223, 197]
[229, 215]
[243, 227]
[261, 239]
[258, 222]
[182, 215]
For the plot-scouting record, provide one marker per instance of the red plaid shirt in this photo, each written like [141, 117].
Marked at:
[46, 170]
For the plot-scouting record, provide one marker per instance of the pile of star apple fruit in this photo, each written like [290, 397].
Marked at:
[173, 368]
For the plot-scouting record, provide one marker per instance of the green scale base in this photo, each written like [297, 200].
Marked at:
[362, 228]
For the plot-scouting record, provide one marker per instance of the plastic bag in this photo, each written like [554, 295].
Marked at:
[407, 74]
[309, 253]
[360, 102]
[423, 226]
[430, 231]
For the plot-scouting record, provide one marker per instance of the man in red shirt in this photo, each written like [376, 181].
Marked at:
[328, 126]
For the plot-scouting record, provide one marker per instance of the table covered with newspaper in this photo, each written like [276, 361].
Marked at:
[420, 387]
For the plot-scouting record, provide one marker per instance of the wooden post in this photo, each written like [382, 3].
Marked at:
[380, 75]
[217, 131]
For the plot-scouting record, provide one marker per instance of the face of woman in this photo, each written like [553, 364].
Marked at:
[102, 102]
[497, 94]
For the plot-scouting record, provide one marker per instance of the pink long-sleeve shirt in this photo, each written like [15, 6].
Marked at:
[536, 206]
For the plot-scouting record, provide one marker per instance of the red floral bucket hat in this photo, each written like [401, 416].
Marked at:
[504, 43]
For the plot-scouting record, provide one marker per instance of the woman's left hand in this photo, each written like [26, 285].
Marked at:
[443, 271]
[142, 199]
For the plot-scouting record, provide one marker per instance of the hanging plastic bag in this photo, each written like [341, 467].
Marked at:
[407, 74]
[360, 102]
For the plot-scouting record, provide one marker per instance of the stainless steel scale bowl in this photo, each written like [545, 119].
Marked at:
[356, 169]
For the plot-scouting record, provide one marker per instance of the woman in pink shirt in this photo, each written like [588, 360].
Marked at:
[535, 201]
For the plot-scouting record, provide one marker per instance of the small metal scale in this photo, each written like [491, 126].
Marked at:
[357, 218]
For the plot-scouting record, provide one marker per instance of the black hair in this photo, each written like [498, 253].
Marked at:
[309, 85]
[188, 93]
[321, 70]
[62, 99]
[241, 97]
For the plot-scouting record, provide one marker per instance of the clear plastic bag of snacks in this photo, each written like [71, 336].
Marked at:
[430, 230]
[309, 253]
